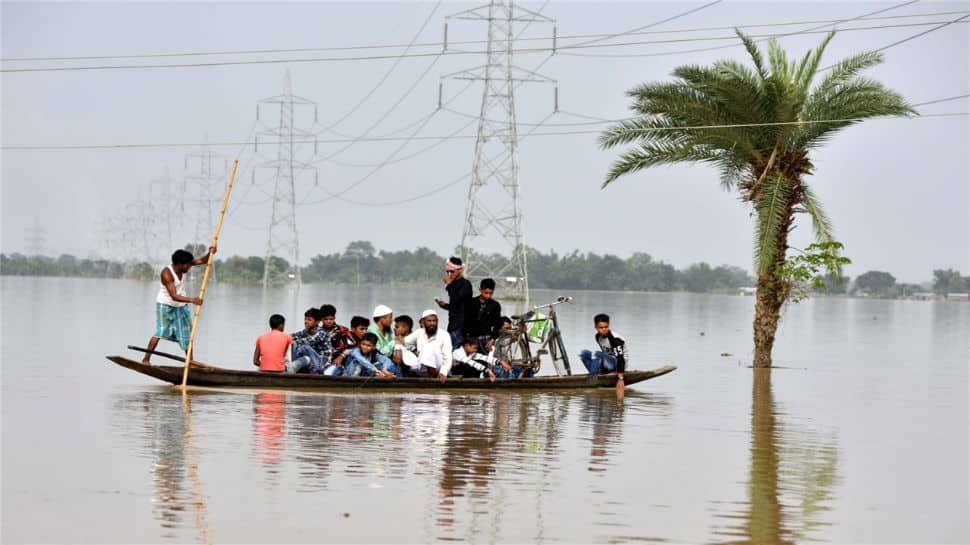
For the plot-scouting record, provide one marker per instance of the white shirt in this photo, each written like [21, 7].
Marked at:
[166, 299]
[478, 361]
[439, 343]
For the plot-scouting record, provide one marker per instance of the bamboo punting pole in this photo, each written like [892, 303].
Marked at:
[205, 277]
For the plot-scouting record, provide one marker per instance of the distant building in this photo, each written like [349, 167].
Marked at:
[924, 296]
[747, 291]
[958, 297]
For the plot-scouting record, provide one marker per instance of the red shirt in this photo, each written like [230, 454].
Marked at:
[272, 350]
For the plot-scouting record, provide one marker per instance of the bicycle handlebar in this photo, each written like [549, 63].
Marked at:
[559, 300]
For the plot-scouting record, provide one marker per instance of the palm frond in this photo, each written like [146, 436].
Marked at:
[730, 172]
[781, 69]
[659, 153]
[821, 224]
[755, 53]
[632, 130]
[678, 104]
[809, 65]
[739, 90]
[629, 162]
[847, 104]
[845, 70]
[772, 210]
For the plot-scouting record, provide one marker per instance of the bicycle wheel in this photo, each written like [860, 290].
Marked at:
[514, 348]
[554, 352]
[561, 349]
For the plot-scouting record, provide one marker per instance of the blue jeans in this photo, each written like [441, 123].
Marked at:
[316, 364]
[333, 370]
[356, 370]
[456, 339]
[500, 372]
[398, 372]
[517, 372]
[482, 344]
[598, 362]
[353, 368]
[295, 365]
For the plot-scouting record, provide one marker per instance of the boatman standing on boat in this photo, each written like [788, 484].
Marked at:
[172, 319]
[459, 290]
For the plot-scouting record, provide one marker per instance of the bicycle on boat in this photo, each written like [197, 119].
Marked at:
[535, 327]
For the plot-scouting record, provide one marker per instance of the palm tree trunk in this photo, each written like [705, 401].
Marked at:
[766, 313]
[771, 295]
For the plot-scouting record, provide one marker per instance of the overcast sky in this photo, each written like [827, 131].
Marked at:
[898, 190]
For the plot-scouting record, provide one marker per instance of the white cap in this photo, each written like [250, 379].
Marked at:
[427, 313]
[381, 310]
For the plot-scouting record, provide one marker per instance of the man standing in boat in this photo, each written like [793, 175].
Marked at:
[172, 319]
[459, 291]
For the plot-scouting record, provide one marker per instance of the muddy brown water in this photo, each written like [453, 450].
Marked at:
[860, 437]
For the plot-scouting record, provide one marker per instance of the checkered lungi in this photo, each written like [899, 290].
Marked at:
[173, 323]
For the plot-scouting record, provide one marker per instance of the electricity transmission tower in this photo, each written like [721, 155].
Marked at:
[36, 238]
[205, 173]
[161, 198]
[493, 215]
[277, 119]
[140, 237]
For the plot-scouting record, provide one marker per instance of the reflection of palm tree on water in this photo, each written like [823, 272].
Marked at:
[780, 466]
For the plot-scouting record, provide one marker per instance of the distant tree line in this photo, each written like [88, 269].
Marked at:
[362, 263]
[883, 284]
[67, 265]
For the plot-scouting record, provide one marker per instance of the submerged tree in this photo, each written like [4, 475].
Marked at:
[757, 126]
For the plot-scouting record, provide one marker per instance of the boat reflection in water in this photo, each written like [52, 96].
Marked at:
[487, 466]
[793, 471]
[269, 426]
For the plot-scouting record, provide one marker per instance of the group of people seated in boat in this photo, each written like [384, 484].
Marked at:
[382, 345]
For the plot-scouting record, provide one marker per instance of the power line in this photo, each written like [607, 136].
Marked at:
[390, 159]
[422, 121]
[948, 99]
[771, 124]
[913, 37]
[827, 23]
[387, 113]
[651, 25]
[436, 189]
[522, 51]
[379, 166]
[389, 71]
[399, 159]
[526, 124]
[78, 147]
[413, 44]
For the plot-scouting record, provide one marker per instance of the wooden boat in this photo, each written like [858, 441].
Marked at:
[202, 374]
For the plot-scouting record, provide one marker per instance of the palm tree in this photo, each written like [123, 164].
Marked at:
[757, 126]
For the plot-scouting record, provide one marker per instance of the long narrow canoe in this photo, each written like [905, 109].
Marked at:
[208, 375]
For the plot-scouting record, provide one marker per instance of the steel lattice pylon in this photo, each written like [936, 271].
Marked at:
[283, 238]
[492, 242]
[205, 172]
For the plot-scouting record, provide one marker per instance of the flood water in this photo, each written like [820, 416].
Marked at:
[861, 435]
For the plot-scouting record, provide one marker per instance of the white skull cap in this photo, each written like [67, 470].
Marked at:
[381, 310]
